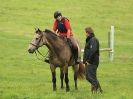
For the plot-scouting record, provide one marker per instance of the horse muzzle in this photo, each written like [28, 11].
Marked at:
[31, 51]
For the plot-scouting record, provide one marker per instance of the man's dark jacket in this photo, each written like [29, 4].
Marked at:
[91, 50]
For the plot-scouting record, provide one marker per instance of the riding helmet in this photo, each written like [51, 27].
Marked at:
[57, 13]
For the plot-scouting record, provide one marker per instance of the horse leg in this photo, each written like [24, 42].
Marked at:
[75, 75]
[53, 77]
[66, 78]
[61, 77]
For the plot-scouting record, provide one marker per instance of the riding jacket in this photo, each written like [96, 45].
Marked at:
[91, 50]
[62, 27]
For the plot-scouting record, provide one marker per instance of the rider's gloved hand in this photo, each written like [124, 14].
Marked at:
[68, 40]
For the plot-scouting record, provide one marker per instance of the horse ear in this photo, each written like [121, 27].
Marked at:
[39, 30]
[35, 30]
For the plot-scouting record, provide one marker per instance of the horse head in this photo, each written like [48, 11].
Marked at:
[37, 41]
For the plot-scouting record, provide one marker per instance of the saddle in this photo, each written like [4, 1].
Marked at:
[73, 49]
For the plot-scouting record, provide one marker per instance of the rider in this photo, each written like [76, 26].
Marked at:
[61, 25]
[63, 29]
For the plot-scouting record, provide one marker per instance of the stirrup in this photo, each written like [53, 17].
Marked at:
[77, 61]
[46, 60]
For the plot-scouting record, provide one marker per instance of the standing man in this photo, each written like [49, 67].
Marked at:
[91, 59]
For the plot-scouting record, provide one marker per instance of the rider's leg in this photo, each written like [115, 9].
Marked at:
[76, 49]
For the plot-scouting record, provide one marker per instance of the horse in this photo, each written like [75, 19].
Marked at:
[60, 55]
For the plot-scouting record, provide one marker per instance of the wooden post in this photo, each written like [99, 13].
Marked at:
[111, 43]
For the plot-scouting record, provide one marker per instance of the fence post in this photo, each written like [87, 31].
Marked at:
[111, 43]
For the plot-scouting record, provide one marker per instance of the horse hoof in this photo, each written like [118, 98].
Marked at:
[67, 90]
[62, 87]
[101, 91]
[54, 89]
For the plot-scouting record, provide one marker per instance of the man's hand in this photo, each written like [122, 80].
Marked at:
[69, 41]
[87, 63]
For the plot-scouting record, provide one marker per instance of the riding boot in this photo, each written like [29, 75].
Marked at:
[74, 49]
[76, 56]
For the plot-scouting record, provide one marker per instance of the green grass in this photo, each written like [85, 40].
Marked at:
[22, 76]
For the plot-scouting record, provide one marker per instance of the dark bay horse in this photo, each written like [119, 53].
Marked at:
[60, 55]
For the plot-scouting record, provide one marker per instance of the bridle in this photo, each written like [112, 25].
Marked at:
[37, 46]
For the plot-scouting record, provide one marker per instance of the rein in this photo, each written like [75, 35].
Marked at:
[43, 56]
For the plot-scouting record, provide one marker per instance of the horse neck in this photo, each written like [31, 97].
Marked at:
[55, 46]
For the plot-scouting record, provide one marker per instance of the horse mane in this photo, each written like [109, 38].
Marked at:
[47, 30]
[51, 34]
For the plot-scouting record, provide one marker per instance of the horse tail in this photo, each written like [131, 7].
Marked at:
[81, 71]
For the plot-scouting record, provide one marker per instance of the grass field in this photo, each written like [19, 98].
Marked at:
[22, 76]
